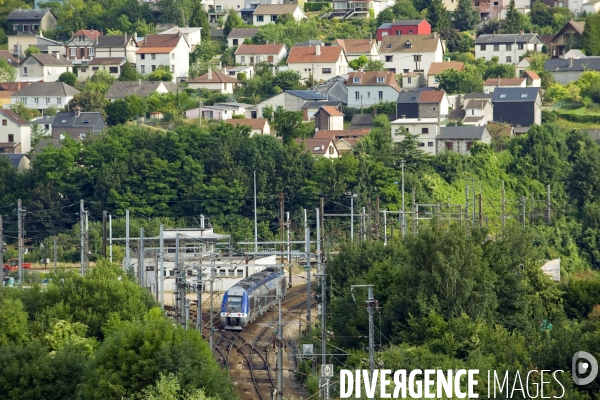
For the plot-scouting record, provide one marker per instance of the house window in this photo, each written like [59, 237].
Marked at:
[11, 138]
[429, 144]
[83, 70]
[153, 56]
[95, 69]
[270, 59]
[495, 4]
[240, 273]
[449, 146]
[326, 70]
[409, 80]
[476, 4]
[472, 112]
[172, 56]
[482, 47]
[421, 144]
[47, 100]
[143, 69]
[73, 51]
[436, 79]
[254, 114]
[368, 95]
[23, 100]
[389, 46]
[398, 33]
[257, 59]
[242, 59]
[4, 122]
[90, 51]
[35, 27]
[273, 18]
[172, 68]
[379, 79]
[496, 47]
[410, 31]
[260, 18]
[356, 80]
[330, 149]
[469, 144]
[523, 95]
[153, 67]
[36, 100]
[356, 96]
[380, 95]
[218, 8]
[508, 59]
[389, 58]
[235, 42]
[520, 46]
[25, 71]
[113, 70]
[508, 47]
[143, 56]
[424, 130]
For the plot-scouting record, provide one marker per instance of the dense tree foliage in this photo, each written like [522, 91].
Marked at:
[465, 17]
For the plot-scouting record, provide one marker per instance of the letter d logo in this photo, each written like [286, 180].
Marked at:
[583, 367]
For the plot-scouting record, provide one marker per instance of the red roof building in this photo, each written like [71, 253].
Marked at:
[404, 27]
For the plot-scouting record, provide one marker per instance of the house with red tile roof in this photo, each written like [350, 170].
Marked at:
[215, 80]
[404, 27]
[319, 147]
[329, 118]
[171, 50]
[406, 53]
[80, 47]
[258, 126]
[369, 88]
[15, 133]
[425, 104]
[358, 47]
[532, 79]
[250, 54]
[492, 83]
[320, 62]
[436, 68]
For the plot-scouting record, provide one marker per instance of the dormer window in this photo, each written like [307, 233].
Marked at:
[356, 80]
[379, 79]
[389, 46]
[408, 44]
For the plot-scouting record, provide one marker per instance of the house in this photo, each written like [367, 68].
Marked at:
[219, 111]
[329, 118]
[26, 24]
[15, 134]
[42, 95]
[532, 79]
[19, 161]
[247, 70]
[413, 80]
[334, 89]
[268, 13]
[290, 100]
[250, 54]
[111, 66]
[320, 62]
[517, 106]
[569, 70]
[355, 48]
[399, 53]
[367, 121]
[215, 80]
[345, 145]
[341, 134]
[478, 113]
[7, 89]
[120, 90]
[113, 46]
[426, 104]
[569, 37]
[319, 147]
[348, 9]
[9, 58]
[81, 46]
[192, 35]
[42, 125]
[77, 124]
[522, 66]
[437, 68]
[591, 7]
[310, 108]
[404, 27]
[574, 53]
[488, 10]
[258, 126]
[170, 49]
[368, 88]
[460, 138]
[507, 47]
[43, 67]
[492, 83]
[426, 129]
[238, 36]
[49, 46]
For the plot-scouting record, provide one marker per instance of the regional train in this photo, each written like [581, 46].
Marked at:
[252, 296]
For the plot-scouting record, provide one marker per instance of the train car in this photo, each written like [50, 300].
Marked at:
[251, 297]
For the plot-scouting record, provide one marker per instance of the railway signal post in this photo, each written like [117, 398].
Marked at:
[371, 309]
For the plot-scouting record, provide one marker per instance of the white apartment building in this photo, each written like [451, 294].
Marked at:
[507, 47]
[171, 50]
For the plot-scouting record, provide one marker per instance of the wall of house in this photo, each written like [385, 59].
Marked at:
[338, 68]
[502, 53]
[566, 77]
[80, 50]
[210, 86]
[427, 139]
[458, 146]
[89, 71]
[23, 41]
[518, 113]
[370, 95]
[21, 134]
[251, 59]
[42, 103]
[402, 61]
[108, 52]
[35, 70]
[281, 100]
[177, 60]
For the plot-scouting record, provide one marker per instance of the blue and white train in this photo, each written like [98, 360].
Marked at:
[251, 297]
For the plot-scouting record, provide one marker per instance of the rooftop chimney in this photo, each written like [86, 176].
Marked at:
[318, 50]
[77, 111]
[209, 75]
[57, 55]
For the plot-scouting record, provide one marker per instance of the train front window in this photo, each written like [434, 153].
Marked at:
[234, 303]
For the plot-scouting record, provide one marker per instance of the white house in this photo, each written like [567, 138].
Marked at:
[319, 147]
[507, 47]
[290, 100]
[43, 67]
[478, 112]
[268, 13]
[406, 53]
[369, 88]
[320, 62]
[591, 7]
[492, 83]
[215, 80]
[219, 111]
[437, 68]
[15, 133]
[522, 66]
[111, 46]
[193, 35]
[111, 66]
[41, 95]
[171, 50]
[355, 48]
[329, 118]
[238, 36]
[461, 138]
[413, 80]
[258, 126]
[426, 129]
[248, 70]
[250, 54]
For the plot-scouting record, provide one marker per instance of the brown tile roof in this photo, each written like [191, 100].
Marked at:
[351, 141]
[51, 60]
[577, 26]
[362, 46]
[398, 43]
[434, 96]
[253, 123]
[315, 145]
[107, 61]
[473, 118]
[504, 82]
[167, 40]
[331, 110]
[14, 117]
[217, 77]
[91, 34]
[247, 33]
[307, 54]
[12, 86]
[275, 9]
[531, 74]
[346, 133]
[10, 59]
[477, 104]
[370, 78]
[439, 67]
[259, 49]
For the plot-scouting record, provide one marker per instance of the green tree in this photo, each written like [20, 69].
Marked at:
[514, 19]
[233, 21]
[161, 73]
[199, 18]
[467, 81]
[25, 112]
[89, 101]
[286, 123]
[591, 35]
[32, 50]
[129, 73]
[375, 65]
[13, 322]
[540, 14]
[68, 77]
[437, 15]
[358, 63]
[285, 19]
[456, 41]
[385, 16]
[7, 72]
[287, 80]
[405, 9]
[465, 17]
[99, 82]
[228, 56]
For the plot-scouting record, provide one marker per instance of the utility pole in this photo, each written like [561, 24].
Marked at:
[110, 236]
[81, 208]
[20, 242]
[161, 256]
[480, 210]
[104, 234]
[547, 204]
[414, 212]
[322, 213]
[467, 201]
[522, 211]
[377, 217]
[289, 248]
[323, 305]
[385, 228]
[126, 239]
[87, 243]
[55, 251]
[473, 203]
[308, 288]
[255, 218]
[403, 211]
[141, 260]
[281, 223]
[199, 300]
[212, 278]
[280, 348]
[352, 216]
[371, 309]
[177, 279]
